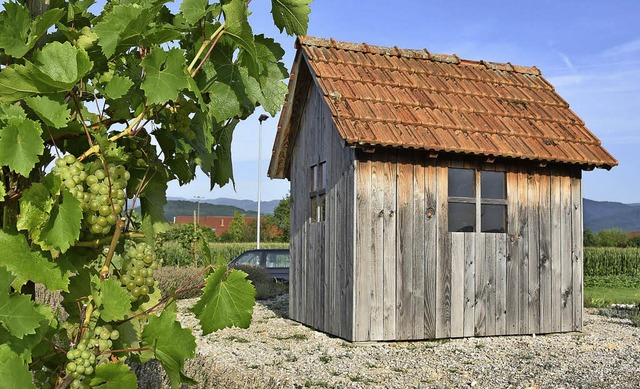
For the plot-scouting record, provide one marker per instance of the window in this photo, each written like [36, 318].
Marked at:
[477, 201]
[278, 260]
[250, 258]
[318, 188]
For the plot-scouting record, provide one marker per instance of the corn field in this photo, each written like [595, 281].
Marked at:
[611, 261]
[232, 250]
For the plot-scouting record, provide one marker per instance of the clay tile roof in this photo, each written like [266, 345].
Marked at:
[386, 96]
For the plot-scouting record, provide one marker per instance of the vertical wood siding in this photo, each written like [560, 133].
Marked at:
[321, 290]
[414, 280]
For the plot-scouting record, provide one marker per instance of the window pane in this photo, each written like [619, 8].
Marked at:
[321, 206]
[494, 218]
[249, 259]
[461, 182]
[314, 177]
[321, 176]
[314, 208]
[492, 185]
[277, 260]
[462, 217]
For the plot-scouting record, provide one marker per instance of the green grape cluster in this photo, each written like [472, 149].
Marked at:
[138, 266]
[101, 195]
[105, 198]
[92, 349]
[72, 173]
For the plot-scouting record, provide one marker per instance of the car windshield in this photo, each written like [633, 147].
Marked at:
[277, 260]
[249, 259]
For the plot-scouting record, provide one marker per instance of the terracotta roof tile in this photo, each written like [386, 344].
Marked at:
[416, 99]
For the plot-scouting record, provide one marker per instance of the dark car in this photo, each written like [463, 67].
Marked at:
[274, 261]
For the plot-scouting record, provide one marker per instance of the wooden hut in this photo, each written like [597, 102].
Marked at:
[432, 197]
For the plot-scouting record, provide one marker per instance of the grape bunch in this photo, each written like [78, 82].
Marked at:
[101, 195]
[105, 198]
[139, 263]
[92, 349]
[72, 173]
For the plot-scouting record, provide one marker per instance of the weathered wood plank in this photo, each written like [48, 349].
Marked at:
[458, 283]
[404, 247]
[469, 284]
[481, 283]
[501, 284]
[418, 255]
[533, 211]
[378, 187]
[389, 245]
[556, 253]
[350, 237]
[443, 267]
[430, 242]
[524, 304]
[364, 276]
[577, 250]
[490, 285]
[546, 283]
[513, 259]
[566, 240]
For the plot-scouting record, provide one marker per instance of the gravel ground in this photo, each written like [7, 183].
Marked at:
[278, 352]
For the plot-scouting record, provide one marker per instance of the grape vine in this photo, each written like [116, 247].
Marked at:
[97, 114]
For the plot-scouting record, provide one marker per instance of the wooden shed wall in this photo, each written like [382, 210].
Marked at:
[321, 286]
[415, 280]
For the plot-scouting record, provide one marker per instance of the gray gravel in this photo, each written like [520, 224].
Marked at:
[278, 352]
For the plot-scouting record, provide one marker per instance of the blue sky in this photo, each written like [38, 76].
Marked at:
[589, 50]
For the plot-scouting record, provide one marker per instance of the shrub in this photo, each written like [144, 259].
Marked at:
[170, 278]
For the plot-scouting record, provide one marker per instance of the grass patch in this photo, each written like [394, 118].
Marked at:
[598, 297]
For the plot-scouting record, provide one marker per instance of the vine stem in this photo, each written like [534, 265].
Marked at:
[204, 46]
[104, 274]
[127, 131]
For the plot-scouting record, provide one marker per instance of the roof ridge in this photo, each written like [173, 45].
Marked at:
[412, 54]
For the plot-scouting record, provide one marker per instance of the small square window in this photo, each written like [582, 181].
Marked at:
[462, 217]
[462, 183]
[492, 185]
[493, 218]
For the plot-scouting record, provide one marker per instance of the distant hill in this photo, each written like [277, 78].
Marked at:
[602, 215]
[266, 207]
[186, 208]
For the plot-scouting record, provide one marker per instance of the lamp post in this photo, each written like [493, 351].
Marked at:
[198, 198]
[261, 119]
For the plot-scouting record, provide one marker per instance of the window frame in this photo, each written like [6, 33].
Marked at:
[479, 201]
[317, 194]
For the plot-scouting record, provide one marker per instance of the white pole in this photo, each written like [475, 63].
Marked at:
[261, 119]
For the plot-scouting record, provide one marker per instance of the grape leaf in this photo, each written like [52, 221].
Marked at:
[117, 87]
[18, 313]
[18, 34]
[53, 113]
[272, 88]
[122, 22]
[64, 64]
[166, 75]
[26, 263]
[14, 29]
[152, 201]
[14, 372]
[63, 227]
[35, 207]
[194, 10]
[115, 300]
[20, 144]
[224, 102]
[114, 376]
[33, 345]
[224, 166]
[291, 15]
[238, 29]
[56, 68]
[3, 191]
[227, 300]
[171, 344]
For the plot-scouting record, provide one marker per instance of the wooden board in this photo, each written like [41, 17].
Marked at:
[469, 284]
[458, 284]
[431, 246]
[533, 215]
[418, 255]
[443, 266]
[577, 251]
[404, 247]
[389, 246]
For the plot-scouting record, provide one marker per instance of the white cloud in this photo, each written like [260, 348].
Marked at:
[629, 47]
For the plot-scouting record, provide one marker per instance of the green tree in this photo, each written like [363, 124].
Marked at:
[237, 228]
[614, 237]
[588, 238]
[125, 101]
[281, 217]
